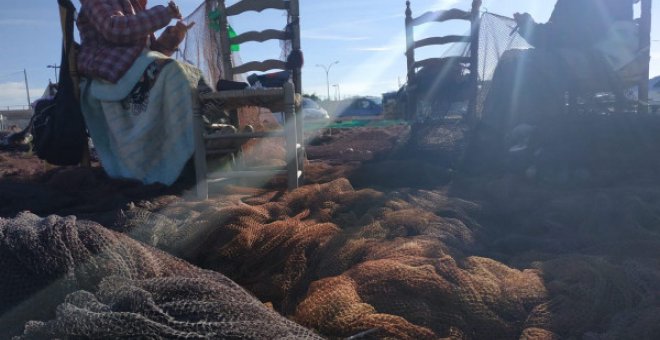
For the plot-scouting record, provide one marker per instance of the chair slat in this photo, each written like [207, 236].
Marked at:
[261, 66]
[440, 16]
[256, 5]
[449, 39]
[439, 62]
[259, 36]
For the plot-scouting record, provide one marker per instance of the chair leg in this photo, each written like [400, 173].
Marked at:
[86, 160]
[202, 186]
[291, 139]
[300, 137]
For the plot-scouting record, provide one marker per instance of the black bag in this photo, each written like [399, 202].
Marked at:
[275, 79]
[58, 127]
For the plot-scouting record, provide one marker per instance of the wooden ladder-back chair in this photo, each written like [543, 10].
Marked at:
[471, 16]
[634, 74]
[279, 99]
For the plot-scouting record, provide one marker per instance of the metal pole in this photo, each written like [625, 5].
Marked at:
[327, 82]
[327, 72]
[54, 67]
[27, 89]
[337, 92]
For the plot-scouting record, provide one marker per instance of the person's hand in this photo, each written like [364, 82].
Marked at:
[171, 37]
[174, 10]
[523, 19]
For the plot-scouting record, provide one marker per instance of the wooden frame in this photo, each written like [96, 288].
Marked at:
[411, 44]
[276, 99]
[645, 47]
[615, 82]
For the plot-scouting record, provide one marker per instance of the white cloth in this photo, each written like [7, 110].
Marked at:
[152, 146]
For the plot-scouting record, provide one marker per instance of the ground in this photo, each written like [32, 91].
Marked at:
[407, 232]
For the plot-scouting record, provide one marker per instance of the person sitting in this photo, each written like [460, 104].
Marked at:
[137, 102]
[584, 40]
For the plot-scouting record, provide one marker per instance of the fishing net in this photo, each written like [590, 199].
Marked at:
[530, 262]
[200, 47]
[444, 91]
[91, 282]
[402, 265]
[497, 35]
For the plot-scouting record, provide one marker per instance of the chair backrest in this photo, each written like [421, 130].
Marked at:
[645, 48]
[471, 16]
[290, 33]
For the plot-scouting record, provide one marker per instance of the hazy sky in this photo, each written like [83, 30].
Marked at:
[365, 36]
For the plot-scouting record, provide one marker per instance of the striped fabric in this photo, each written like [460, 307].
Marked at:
[114, 33]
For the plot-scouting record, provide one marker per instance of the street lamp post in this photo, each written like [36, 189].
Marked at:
[337, 92]
[27, 88]
[54, 67]
[327, 72]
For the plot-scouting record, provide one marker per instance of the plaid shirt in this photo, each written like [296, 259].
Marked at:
[113, 34]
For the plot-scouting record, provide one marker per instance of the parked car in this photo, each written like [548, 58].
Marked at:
[359, 107]
[313, 111]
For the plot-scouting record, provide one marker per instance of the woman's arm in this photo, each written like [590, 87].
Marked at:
[119, 27]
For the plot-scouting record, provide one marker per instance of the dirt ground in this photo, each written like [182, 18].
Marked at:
[412, 232]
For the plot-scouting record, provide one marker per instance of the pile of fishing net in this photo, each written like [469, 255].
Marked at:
[66, 278]
[356, 144]
[528, 263]
[403, 265]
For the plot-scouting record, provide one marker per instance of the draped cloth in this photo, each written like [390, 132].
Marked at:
[142, 126]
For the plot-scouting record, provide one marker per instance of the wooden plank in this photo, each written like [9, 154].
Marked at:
[247, 93]
[440, 16]
[201, 186]
[262, 97]
[245, 173]
[262, 66]
[220, 152]
[217, 136]
[219, 177]
[259, 36]
[256, 5]
[411, 97]
[440, 62]
[291, 136]
[645, 43]
[449, 39]
[474, 61]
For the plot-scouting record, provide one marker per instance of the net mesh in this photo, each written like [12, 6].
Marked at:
[106, 285]
[400, 265]
[497, 34]
[200, 47]
[441, 87]
[403, 264]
